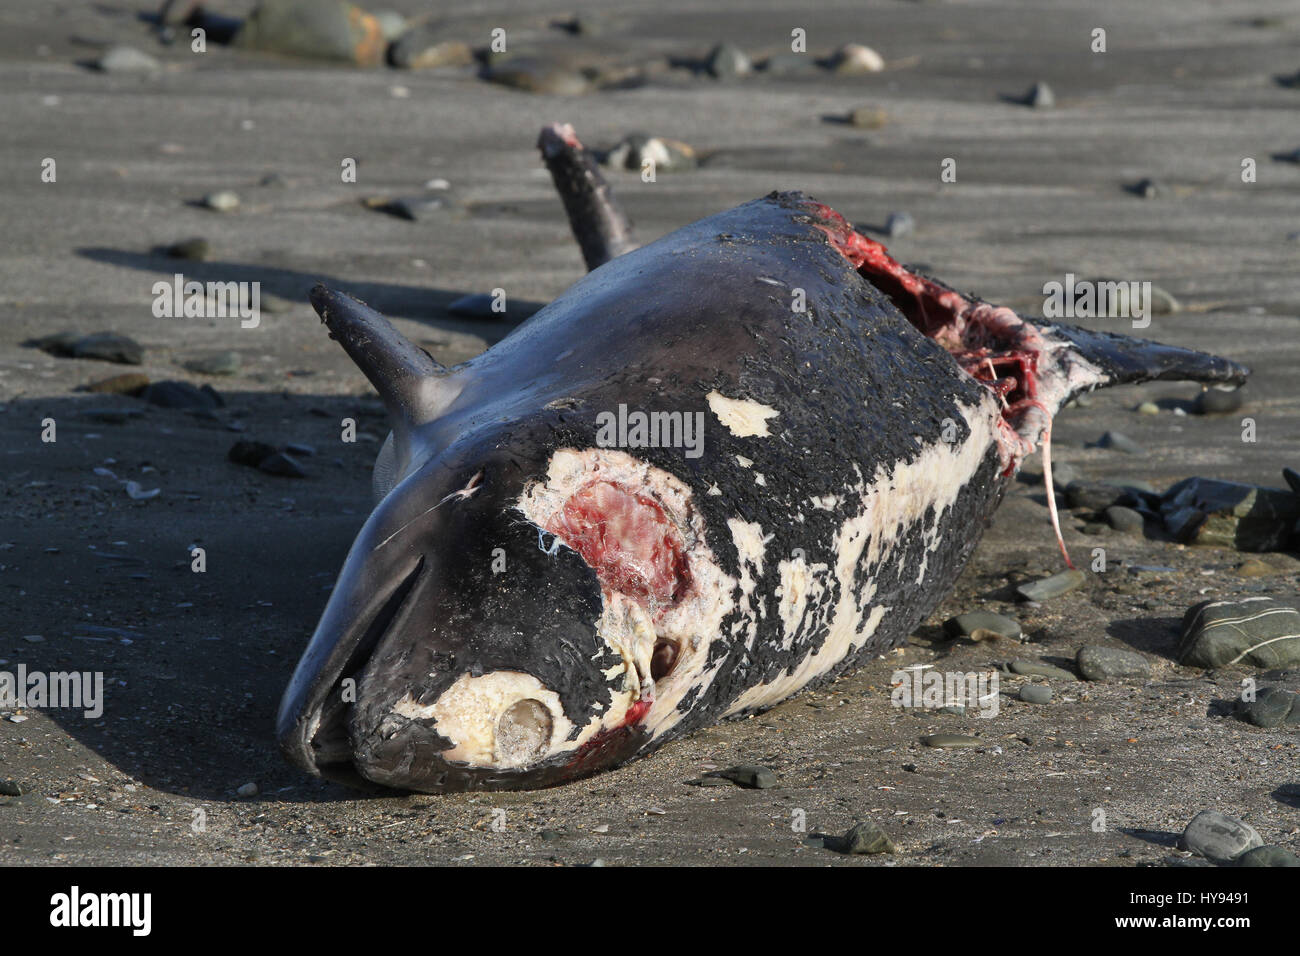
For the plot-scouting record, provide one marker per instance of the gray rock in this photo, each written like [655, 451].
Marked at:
[1231, 514]
[728, 61]
[197, 250]
[1097, 662]
[1036, 694]
[1148, 408]
[1041, 669]
[128, 383]
[414, 208]
[222, 201]
[1040, 96]
[108, 347]
[1217, 401]
[899, 224]
[1268, 855]
[1098, 496]
[1149, 189]
[422, 50]
[1125, 519]
[12, 788]
[172, 394]
[1116, 441]
[1270, 708]
[867, 838]
[868, 117]
[221, 363]
[1218, 837]
[1257, 631]
[964, 625]
[753, 776]
[127, 59]
[250, 453]
[391, 24]
[636, 149]
[283, 465]
[535, 75]
[945, 741]
[1054, 586]
[315, 29]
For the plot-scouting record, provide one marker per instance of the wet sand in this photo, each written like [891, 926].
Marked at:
[196, 663]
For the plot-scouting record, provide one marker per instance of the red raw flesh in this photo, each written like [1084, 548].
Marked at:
[993, 345]
[629, 541]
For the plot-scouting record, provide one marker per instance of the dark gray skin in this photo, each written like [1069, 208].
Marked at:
[418, 606]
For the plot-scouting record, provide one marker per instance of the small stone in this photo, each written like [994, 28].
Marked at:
[945, 741]
[126, 384]
[109, 347]
[1041, 669]
[1163, 303]
[283, 465]
[728, 61]
[1254, 568]
[1100, 663]
[963, 625]
[1231, 514]
[1051, 587]
[316, 29]
[867, 838]
[1040, 96]
[868, 117]
[391, 24]
[222, 363]
[1270, 708]
[1036, 694]
[197, 250]
[247, 790]
[1217, 401]
[1125, 519]
[1117, 441]
[534, 75]
[222, 201]
[899, 224]
[1218, 837]
[12, 788]
[637, 150]
[418, 50]
[752, 776]
[34, 638]
[1258, 631]
[127, 59]
[172, 394]
[1098, 496]
[1064, 474]
[250, 453]
[414, 208]
[1268, 855]
[1148, 408]
[854, 59]
[1148, 189]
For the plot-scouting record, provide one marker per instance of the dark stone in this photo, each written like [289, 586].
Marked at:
[1217, 401]
[281, 464]
[1231, 514]
[172, 394]
[108, 347]
[1125, 519]
[316, 29]
[250, 453]
[1096, 662]
[1270, 708]
[963, 625]
[196, 249]
[752, 776]
[867, 838]
[728, 61]
[1268, 855]
[1258, 631]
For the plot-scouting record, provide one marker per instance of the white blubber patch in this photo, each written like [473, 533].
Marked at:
[890, 507]
[742, 417]
[802, 586]
[628, 630]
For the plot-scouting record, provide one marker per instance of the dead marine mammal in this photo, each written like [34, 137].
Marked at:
[530, 602]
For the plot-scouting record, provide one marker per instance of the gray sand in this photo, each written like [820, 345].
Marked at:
[1185, 91]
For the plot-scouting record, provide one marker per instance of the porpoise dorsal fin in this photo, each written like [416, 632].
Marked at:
[599, 224]
[415, 388]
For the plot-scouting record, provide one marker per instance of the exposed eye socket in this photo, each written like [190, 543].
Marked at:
[523, 732]
[664, 658]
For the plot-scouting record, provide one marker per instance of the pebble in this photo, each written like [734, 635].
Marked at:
[1098, 496]
[197, 250]
[867, 838]
[537, 76]
[1117, 441]
[1040, 96]
[322, 30]
[868, 117]
[222, 363]
[413, 208]
[1036, 694]
[1258, 631]
[247, 790]
[1125, 519]
[1254, 568]
[963, 625]
[1097, 662]
[899, 224]
[391, 24]
[281, 464]
[1218, 837]
[943, 741]
[1148, 408]
[1271, 707]
[1217, 401]
[1054, 586]
[12, 788]
[854, 59]
[250, 453]
[126, 384]
[727, 61]
[418, 50]
[172, 394]
[637, 149]
[1149, 189]
[753, 776]
[1163, 303]
[127, 59]
[1041, 669]
[222, 201]
[1268, 855]
[107, 347]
